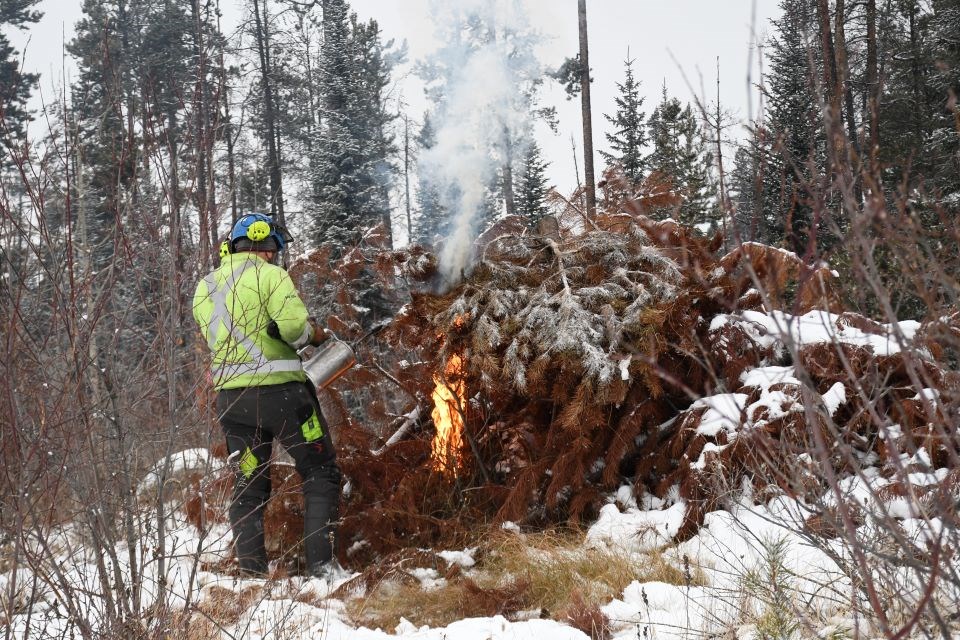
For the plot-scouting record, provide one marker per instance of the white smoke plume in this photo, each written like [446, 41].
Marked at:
[482, 80]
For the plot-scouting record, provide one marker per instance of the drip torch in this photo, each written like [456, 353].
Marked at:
[334, 358]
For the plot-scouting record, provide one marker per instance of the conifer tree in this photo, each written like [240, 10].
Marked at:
[532, 194]
[629, 128]
[746, 190]
[431, 214]
[680, 153]
[105, 110]
[372, 121]
[350, 145]
[15, 86]
[334, 194]
[794, 132]
[943, 150]
[352, 168]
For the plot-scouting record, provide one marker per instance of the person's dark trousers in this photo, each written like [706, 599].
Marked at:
[251, 419]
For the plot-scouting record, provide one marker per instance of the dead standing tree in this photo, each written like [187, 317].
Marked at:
[586, 110]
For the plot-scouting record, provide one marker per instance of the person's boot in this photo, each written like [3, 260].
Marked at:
[248, 539]
[321, 496]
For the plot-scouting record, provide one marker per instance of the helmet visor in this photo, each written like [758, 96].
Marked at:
[281, 231]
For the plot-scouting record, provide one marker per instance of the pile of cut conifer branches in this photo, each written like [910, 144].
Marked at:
[623, 351]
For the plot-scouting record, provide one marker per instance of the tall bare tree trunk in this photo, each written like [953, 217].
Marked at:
[591, 183]
[509, 198]
[207, 232]
[262, 37]
[873, 84]
[227, 129]
[843, 70]
[915, 71]
[829, 73]
[406, 175]
[725, 208]
[843, 85]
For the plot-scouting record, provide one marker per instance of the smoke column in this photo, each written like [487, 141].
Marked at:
[482, 80]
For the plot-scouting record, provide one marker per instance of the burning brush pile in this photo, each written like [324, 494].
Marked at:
[568, 364]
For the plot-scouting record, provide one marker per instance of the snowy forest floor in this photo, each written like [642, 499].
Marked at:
[658, 449]
[747, 573]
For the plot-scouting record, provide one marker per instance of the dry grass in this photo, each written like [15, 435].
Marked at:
[219, 609]
[549, 574]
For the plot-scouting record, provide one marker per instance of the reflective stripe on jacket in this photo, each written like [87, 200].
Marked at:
[233, 306]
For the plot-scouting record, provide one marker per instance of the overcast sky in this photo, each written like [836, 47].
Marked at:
[677, 42]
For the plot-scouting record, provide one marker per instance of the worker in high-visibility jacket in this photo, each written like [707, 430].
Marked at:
[254, 321]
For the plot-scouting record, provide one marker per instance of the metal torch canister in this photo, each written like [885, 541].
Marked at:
[331, 360]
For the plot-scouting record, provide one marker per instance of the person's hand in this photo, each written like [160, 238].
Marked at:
[320, 334]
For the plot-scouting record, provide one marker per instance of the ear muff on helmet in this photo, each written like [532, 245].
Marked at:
[258, 227]
[224, 249]
[259, 230]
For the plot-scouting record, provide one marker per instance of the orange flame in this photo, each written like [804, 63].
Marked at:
[449, 397]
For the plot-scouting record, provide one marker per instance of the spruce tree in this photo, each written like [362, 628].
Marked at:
[746, 192]
[351, 165]
[942, 150]
[431, 214]
[104, 109]
[794, 132]
[918, 113]
[533, 187]
[371, 123]
[15, 86]
[680, 153]
[629, 128]
[135, 84]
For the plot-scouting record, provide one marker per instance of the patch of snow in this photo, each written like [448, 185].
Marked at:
[835, 397]
[187, 460]
[666, 611]
[891, 432]
[510, 526]
[930, 395]
[777, 404]
[429, 579]
[723, 413]
[927, 479]
[624, 497]
[463, 558]
[901, 507]
[635, 530]
[719, 321]
[920, 459]
[814, 327]
[765, 377]
[709, 447]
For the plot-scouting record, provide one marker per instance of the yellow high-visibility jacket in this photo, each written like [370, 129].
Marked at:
[233, 306]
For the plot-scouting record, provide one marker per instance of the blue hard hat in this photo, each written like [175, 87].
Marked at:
[258, 227]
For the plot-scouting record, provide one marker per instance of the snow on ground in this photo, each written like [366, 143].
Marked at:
[816, 327]
[729, 547]
[729, 556]
[187, 460]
